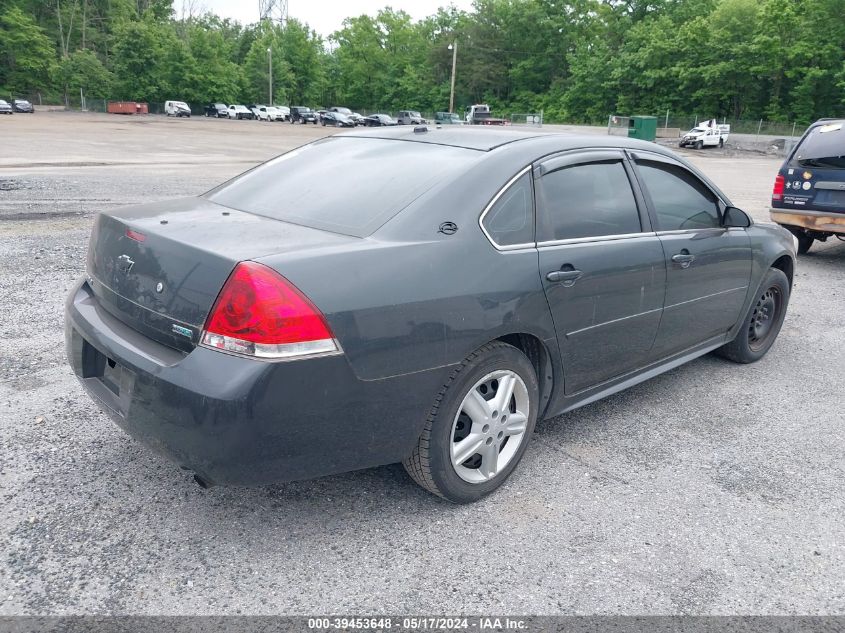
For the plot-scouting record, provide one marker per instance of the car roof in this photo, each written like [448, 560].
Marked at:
[485, 138]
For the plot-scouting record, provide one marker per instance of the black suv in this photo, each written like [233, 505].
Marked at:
[219, 110]
[808, 197]
[301, 114]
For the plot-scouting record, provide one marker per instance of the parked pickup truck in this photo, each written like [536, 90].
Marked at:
[479, 114]
[706, 134]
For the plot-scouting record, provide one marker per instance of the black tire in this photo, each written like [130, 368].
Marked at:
[721, 143]
[698, 145]
[430, 464]
[805, 241]
[762, 323]
[324, 124]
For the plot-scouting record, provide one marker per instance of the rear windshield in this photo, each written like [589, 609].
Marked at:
[378, 179]
[824, 146]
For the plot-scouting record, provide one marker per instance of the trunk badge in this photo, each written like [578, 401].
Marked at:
[125, 264]
[159, 287]
[182, 331]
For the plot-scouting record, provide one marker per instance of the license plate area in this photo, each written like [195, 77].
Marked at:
[830, 198]
[112, 374]
[107, 379]
[97, 365]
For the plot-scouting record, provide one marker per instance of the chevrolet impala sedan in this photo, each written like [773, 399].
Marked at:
[282, 327]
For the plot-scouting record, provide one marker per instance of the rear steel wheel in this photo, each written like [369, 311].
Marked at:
[805, 241]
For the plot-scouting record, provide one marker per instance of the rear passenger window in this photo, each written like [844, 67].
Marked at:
[587, 200]
[681, 201]
[511, 219]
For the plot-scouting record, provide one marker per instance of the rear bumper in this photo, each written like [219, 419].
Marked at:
[240, 421]
[821, 221]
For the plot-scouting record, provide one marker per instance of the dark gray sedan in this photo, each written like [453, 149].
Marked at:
[277, 329]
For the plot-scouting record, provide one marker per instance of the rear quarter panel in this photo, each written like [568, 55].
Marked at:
[410, 298]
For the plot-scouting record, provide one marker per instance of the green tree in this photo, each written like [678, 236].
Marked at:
[27, 56]
[141, 50]
[82, 70]
[301, 49]
[256, 66]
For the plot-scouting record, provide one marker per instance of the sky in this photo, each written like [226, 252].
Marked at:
[324, 16]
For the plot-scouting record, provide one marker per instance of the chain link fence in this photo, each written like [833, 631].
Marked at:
[757, 127]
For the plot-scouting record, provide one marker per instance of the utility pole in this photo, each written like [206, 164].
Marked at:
[270, 80]
[454, 48]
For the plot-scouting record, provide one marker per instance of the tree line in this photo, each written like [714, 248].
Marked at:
[577, 60]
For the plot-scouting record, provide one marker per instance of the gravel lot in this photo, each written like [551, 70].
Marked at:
[713, 489]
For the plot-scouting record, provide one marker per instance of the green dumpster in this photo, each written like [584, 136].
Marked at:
[642, 127]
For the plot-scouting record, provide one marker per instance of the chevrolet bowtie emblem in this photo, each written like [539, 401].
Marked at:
[124, 264]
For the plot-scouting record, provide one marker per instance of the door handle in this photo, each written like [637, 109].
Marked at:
[566, 277]
[684, 258]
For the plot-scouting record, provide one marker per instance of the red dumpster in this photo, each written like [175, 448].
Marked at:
[121, 107]
[142, 108]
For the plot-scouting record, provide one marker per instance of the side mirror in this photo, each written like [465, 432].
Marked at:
[735, 218]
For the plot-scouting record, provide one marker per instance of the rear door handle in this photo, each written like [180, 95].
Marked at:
[684, 258]
[566, 277]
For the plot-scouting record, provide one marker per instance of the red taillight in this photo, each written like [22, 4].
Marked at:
[777, 190]
[260, 313]
[132, 234]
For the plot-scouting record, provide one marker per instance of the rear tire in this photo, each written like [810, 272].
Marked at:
[476, 434]
[762, 323]
[805, 241]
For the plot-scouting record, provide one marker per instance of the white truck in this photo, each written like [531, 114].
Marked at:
[706, 134]
[479, 114]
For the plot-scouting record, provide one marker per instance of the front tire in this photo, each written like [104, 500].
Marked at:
[762, 323]
[698, 145]
[479, 426]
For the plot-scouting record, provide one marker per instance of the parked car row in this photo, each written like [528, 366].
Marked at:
[335, 116]
[17, 105]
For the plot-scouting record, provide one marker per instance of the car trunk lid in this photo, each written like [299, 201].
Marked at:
[159, 267]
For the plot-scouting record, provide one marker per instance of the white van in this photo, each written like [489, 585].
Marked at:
[177, 108]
